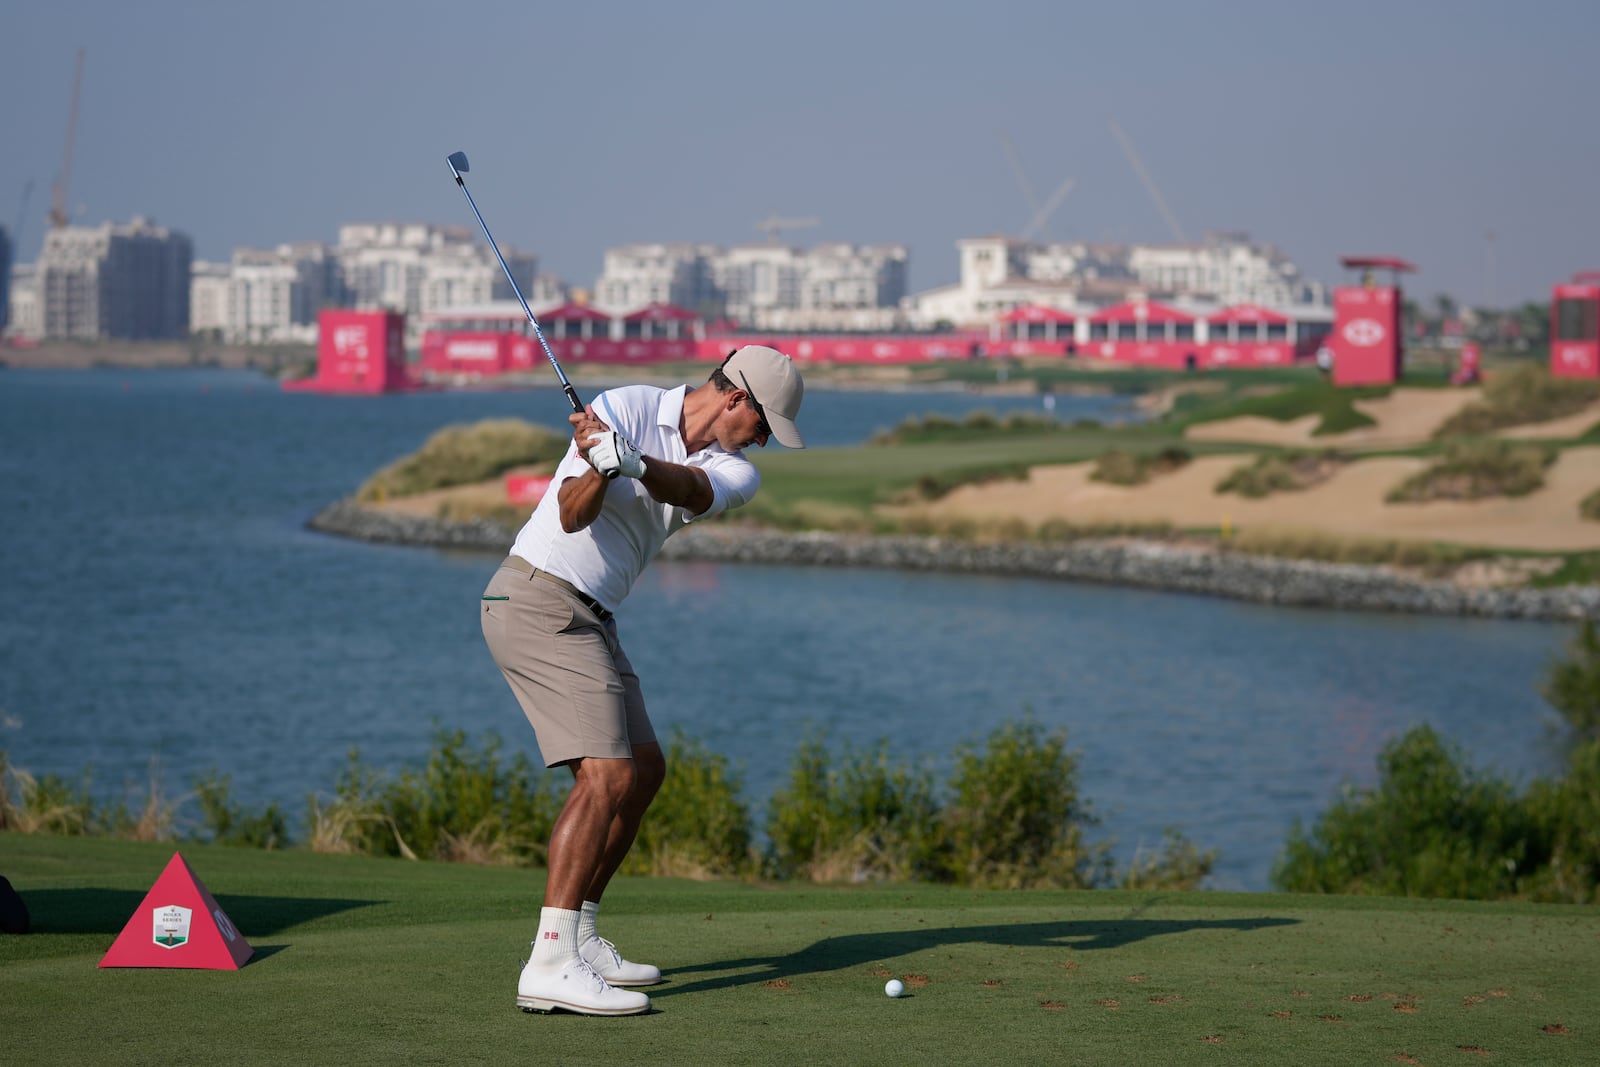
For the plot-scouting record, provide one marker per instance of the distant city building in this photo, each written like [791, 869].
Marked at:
[5, 279]
[633, 276]
[1000, 273]
[26, 318]
[127, 282]
[1228, 268]
[208, 298]
[419, 268]
[762, 286]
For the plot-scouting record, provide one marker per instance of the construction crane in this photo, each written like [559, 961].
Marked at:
[1041, 212]
[59, 215]
[774, 225]
[1149, 182]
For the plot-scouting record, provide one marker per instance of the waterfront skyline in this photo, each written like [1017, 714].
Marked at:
[1447, 141]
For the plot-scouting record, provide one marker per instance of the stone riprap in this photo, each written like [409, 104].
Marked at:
[1118, 561]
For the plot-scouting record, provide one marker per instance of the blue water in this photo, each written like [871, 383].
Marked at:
[160, 600]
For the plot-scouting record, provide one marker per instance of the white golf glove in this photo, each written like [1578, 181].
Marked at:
[611, 454]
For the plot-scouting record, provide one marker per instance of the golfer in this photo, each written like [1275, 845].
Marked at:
[547, 617]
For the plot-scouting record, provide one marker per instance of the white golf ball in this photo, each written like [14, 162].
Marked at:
[894, 987]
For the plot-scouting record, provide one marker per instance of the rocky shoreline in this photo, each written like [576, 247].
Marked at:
[1121, 561]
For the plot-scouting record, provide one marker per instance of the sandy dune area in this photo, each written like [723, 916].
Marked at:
[1349, 504]
[1403, 417]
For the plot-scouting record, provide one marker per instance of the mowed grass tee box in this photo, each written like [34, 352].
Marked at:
[362, 960]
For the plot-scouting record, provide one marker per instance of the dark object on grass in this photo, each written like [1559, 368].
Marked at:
[13, 912]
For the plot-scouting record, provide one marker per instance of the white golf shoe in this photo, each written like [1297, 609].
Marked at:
[576, 987]
[609, 964]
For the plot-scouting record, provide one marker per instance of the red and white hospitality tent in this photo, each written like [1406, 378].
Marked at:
[575, 320]
[659, 320]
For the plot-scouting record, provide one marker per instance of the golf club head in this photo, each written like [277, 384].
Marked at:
[458, 163]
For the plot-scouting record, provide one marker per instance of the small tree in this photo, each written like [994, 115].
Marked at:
[1573, 685]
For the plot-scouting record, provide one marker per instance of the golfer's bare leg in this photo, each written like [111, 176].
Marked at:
[649, 770]
[578, 843]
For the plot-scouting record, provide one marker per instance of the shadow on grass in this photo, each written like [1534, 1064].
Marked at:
[107, 911]
[857, 950]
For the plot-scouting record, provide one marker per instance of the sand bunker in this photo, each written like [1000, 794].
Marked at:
[1349, 504]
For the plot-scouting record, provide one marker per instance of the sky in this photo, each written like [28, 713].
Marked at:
[1461, 136]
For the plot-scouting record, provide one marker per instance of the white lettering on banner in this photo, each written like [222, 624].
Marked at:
[224, 925]
[472, 349]
[350, 341]
[1364, 333]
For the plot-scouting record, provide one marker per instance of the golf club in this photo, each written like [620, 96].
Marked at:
[458, 167]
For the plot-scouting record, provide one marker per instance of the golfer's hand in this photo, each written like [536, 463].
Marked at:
[611, 454]
[585, 424]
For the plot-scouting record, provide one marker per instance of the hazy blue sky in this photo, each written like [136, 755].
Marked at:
[1406, 128]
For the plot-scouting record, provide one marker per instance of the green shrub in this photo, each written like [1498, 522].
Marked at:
[1280, 472]
[1015, 819]
[1120, 467]
[697, 826]
[935, 486]
[229, 824]
[1179, 864]
[981, 423]
[463, 805]
[462, 455]
[1431, 828]
[1589, 506]
[1475, 470]
[1567, 814]
[1523, 394]
[47, 805]
[1572, 685]
[861, 818]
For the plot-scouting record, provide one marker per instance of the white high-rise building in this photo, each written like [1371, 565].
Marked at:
[1228, 268]
[761, 286]
[1000, 273]
[27, 318]
[208, 298]
[633, 276]
[420, 267]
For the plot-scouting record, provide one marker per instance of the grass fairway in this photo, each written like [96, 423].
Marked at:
[363, 960]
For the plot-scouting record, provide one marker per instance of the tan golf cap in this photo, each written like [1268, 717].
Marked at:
[770, 377]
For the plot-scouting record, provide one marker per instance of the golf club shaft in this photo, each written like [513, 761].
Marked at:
[572, 394]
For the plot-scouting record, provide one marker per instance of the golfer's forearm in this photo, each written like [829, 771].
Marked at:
[675, 484]
[581, 499]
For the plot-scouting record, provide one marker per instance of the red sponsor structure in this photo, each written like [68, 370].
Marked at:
[526, 490]
[875, 348]
[178, 924]
[1144, 333]
[1034, 329]
[1366, 341]
[359, 352]
[1575, 327]
[476, 344]
[1247, 335]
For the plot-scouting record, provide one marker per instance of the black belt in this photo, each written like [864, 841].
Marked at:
[517, 563]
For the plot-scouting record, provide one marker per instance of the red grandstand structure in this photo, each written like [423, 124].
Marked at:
[1575, 327]
[359, 352]
[1367, 343]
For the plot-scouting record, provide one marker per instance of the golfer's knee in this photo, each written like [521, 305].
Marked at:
[610, 779]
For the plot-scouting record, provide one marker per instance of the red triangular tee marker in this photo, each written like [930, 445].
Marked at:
[179, 925]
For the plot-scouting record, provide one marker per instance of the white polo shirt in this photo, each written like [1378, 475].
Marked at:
[605, 558]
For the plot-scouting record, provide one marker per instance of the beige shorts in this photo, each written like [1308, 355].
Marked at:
[566, 667]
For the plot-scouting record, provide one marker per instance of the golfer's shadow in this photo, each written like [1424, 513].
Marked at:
[857, 950]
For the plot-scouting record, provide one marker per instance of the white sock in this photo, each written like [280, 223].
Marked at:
[557, 943]
[586, 918]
